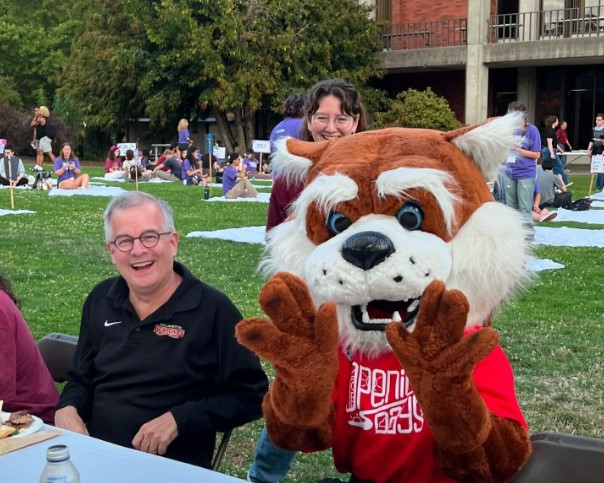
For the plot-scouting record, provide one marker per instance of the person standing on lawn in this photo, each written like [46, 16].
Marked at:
[596, 146]
[43, 144]
[520, 168]
[333, 110]
[157, 367]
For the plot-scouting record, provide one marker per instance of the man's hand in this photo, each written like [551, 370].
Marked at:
[155, 436]
[68, 418]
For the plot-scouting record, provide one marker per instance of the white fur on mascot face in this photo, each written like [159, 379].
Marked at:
[379, 220]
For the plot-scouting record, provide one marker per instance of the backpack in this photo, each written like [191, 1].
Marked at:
[583, 204]
[51, 129]
[42, 181]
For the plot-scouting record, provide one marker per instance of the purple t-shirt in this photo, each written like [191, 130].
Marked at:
[68, 173]
[187, 167]
[520, 167]
[229, 178]
[289, 127]
[251, 164]
[182, 136]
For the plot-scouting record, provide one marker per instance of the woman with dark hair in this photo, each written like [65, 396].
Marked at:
[113, 164]
[550, 150]
[191, 172]
[68, 170]
[333, 109]
[25, 383]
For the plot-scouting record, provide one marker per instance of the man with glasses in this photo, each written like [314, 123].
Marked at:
[157, 366]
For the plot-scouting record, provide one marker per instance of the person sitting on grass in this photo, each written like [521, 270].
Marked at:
[234, 182]
[68, 170]
[553, 189]
[252, 165]
[191, 173]
[135, 168]
[12, 170]
[113, 164]
[170, 169]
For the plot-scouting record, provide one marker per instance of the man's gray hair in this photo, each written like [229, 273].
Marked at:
[132, 199]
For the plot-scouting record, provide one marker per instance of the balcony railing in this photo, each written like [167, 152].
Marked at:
[423, 35]
[515, 27]
[547, 25]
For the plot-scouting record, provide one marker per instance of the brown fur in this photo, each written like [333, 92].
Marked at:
[470, 443]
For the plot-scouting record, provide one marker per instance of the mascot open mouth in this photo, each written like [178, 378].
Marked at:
[378, 313]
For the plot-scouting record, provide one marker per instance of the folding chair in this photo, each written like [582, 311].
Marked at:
[57, 351]
[563, 458]
[219, 455]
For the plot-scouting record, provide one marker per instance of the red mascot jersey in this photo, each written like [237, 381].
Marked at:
[380, 433]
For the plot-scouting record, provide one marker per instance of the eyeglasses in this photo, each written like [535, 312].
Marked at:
[149, 239]
[340, 120]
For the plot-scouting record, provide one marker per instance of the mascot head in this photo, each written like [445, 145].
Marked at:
[386, 212]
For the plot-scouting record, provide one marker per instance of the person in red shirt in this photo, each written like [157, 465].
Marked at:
[25, 382]
[562, 135]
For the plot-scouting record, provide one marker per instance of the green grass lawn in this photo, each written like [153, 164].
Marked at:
[553, 331]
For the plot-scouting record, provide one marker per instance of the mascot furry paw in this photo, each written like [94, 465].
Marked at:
[398, 242]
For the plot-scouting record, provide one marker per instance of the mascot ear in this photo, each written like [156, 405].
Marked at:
[294, 158]
[488, 144]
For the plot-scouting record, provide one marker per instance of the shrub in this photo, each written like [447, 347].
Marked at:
[418, 109]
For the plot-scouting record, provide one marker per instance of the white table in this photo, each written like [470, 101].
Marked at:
[572, 156]
[102, 462]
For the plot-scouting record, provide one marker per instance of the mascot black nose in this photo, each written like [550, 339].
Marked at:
[367, 249]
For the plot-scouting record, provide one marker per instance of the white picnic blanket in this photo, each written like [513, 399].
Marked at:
[569, 237]
[246, 234]
[540, 264]
[261, 198]
[589, 216]
[122, 180]
[15, 212]
[256, 235]
[90, 191]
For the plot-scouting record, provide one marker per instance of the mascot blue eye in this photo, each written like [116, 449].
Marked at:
[337, 222]
[410, 216]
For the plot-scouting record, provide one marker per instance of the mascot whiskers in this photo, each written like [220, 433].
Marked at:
[385, 281]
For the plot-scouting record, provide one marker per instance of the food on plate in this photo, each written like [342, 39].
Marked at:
[6, 431]
[20, 420]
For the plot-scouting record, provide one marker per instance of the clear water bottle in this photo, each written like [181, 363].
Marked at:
[59, 468]
[206, 193]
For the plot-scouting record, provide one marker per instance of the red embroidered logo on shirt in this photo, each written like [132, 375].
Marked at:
[174, 331]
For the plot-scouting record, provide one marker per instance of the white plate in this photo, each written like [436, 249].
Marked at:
[35, 426]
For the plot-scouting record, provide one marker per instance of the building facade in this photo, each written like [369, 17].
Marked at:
[482, 54]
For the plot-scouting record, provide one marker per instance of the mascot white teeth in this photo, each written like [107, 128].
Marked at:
[398, 242]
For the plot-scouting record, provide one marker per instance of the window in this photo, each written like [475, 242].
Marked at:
[383, 10]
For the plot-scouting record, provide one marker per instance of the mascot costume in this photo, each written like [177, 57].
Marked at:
[386, 279]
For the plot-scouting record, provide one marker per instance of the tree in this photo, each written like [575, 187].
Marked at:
[169, 59]
[34, 47]
[418, 109]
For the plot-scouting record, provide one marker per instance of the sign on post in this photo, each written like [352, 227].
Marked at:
[219, 153]
[125, 147]
[597, 163]
[260, 146]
